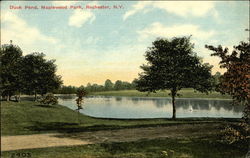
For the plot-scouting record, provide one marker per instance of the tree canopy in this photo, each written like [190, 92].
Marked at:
[31, 74]
[108, 85]
[10, 60]
[42, 72]
[172, 64]
[236, 80]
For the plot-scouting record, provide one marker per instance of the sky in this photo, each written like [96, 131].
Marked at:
[92, 45]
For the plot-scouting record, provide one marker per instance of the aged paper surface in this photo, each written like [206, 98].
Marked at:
[78, 79]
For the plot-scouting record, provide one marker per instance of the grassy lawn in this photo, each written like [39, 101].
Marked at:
[29, 117]
[184, 93]
[180, 148]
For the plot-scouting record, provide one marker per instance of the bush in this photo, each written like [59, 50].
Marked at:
[49, 99]
[80, 94]
[237, 133]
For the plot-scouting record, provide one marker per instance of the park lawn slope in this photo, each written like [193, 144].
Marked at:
[206, 147]
[184, 93]
[27, 117]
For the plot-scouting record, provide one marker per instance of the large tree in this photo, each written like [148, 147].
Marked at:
[39, 74]
[118, 85]
[173, 65]
[108, 85]
[11, 80]
[236, 80]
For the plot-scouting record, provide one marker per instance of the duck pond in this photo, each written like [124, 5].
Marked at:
[148, 107]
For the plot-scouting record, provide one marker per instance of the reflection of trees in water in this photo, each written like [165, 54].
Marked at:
[135, 100]
[208, 104]
[196, 104]
[158, 102]
[238, 108]
[218, 104]
[118, 98]
[227, 105]
[181, 103]
[201, 104]
[67, 97]
[162, 102]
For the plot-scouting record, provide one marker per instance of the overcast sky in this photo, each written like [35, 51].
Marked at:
[98, 44]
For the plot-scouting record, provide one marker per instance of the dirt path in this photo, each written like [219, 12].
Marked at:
[36, 141]
[121, 135]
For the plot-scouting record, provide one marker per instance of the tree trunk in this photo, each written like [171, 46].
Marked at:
[19, 96]
[8, 97]
[35, 96]
[173, 94]
[78, 116]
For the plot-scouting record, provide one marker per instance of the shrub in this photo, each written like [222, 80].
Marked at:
[237, 133]
[49, 99]
[80, 94]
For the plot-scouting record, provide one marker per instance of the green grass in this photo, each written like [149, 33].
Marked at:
[29, 117]
[206, 147]
[184, 93]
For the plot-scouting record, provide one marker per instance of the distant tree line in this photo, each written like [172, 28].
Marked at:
[110, 86]
[107, 86]
[31, 74]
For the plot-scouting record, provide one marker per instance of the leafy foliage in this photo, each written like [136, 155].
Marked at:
[108, 85]
[216, 81]
[10, 59]
[237, 133]
[66, 90]
[81, 92]
[30, 74]
[173, 65]
[49, 99]
[41, 72]
[118, 85]
[236, 82]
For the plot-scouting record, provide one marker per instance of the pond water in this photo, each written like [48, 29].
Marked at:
[145, 107]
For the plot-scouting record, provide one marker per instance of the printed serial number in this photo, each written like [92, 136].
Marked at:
[17, 155]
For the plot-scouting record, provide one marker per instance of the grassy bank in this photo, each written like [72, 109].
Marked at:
[207, 147]
[184, 93]
[29, 117]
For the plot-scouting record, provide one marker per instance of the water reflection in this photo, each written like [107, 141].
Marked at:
[139, 107]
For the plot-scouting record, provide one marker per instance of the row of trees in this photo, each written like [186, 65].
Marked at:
[107, 86]
[30, 74]
[118, 85]
[66, 90]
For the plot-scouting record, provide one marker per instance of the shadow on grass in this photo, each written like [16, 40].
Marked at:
[64, 127]
[203, 147]
[45, 106]
[74, 127]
